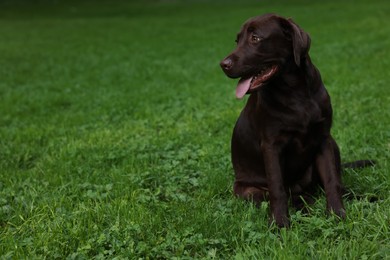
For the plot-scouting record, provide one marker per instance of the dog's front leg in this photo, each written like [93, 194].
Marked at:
[328, 166]
[277, 193]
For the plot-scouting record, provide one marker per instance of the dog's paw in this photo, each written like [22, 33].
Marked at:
[339, 212]
[280, 221]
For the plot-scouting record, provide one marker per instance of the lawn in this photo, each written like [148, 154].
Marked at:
[116, 120]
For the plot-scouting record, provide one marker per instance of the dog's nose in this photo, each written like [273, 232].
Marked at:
[226, 64]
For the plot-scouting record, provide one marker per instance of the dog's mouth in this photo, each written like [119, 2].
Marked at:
[248, 85]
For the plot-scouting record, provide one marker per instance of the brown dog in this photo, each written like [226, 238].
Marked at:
[281, 144]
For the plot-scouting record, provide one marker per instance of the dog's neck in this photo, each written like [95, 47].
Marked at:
[299, 82]
[294, 80]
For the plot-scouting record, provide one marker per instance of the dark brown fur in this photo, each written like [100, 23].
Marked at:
[281, 145]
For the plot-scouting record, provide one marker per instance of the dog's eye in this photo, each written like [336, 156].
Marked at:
[255, 38]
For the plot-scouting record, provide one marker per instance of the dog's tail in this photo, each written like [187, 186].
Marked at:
[348, 194]
[358, 164]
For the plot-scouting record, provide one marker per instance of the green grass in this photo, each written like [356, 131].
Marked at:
[115, 131]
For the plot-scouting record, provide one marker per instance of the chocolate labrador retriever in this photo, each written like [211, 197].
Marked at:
[281, 145]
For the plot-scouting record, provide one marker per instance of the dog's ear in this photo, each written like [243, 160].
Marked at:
[300, 40]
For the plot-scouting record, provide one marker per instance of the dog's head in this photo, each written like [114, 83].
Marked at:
[264, 45]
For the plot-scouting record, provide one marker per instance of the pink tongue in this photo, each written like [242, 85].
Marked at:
[243, 87]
